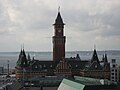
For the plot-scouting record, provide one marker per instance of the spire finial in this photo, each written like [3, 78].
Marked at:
[94, 46]
[59, 9]
[23, 45]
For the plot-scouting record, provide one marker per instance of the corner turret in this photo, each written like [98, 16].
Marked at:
[22, 60]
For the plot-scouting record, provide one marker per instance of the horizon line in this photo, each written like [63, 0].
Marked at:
[65, 51]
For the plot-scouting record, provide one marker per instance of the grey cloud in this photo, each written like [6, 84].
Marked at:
[88, 19]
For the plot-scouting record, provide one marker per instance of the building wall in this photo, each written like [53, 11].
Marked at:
[39, 88]
[114, 71]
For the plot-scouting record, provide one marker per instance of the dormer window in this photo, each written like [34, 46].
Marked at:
[95, 66]
[36, 67]
[44, 65]
[51, 65]
[40, 66]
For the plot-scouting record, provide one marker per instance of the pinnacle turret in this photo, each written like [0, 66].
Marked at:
[94, 57]
[22, 61]
[105, 59]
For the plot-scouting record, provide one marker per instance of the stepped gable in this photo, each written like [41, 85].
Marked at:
[63, 64]
[63, 68]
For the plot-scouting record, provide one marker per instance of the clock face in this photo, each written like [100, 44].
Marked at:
[59, 31]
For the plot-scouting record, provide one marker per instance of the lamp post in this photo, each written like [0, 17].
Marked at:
[8, 68]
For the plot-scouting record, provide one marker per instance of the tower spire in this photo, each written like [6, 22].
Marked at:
[58, 20]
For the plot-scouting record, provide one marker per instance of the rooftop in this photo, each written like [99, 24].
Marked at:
[85, 83]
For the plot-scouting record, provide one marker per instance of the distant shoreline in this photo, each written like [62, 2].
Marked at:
[66, 51]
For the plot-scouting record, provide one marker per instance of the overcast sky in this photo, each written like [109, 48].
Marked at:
[88, 23]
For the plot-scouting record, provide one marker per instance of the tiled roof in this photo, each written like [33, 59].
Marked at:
[77, 64]
[59, 20]
[95, 66]
[84, 83]
[40, 65]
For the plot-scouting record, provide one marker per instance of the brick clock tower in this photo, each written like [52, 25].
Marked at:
[58, 39]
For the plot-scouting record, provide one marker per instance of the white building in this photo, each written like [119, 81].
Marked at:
[114, 71]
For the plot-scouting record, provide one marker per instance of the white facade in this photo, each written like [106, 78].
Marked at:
[114, 71]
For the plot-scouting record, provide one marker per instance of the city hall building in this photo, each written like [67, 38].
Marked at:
[60, 65]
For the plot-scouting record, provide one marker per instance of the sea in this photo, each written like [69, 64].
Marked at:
[12, 57]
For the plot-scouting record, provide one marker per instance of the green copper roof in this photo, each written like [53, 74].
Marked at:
[81, 83]
[75, 85]
[93, 81]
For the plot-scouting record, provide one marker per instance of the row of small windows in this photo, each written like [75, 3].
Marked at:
[40, 66]
[114, 74]
[114, 70]
[114, 77]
